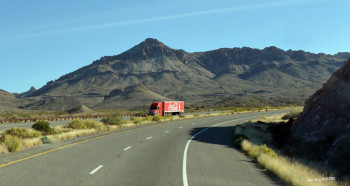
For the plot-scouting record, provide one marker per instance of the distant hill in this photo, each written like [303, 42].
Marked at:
[133, 97]
[192, 77]
[7, 101]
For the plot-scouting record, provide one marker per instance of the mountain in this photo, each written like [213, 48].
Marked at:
[26, 94]
[131, 98]
[192, 77]
[7, 101]
[324, 125]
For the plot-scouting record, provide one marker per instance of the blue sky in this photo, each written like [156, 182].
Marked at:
[42, 40]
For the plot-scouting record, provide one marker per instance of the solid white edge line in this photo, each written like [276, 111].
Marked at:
[127, 148]
[95, 170]
[184, 162]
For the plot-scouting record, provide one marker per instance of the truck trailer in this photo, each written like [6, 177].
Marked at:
[164, 108]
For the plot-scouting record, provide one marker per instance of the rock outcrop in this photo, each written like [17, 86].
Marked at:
[323, 128]
[26, 94]
[79, 110]
[326, 113]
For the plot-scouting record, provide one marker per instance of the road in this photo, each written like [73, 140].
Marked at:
[28, 125]
[186, 152]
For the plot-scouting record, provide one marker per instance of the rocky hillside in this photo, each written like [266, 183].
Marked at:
[25, 94]
[7, 101]
[192, 77]
[130, 98]
[324, 125]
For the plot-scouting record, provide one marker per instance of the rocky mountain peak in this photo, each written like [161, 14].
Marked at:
[32, 89]
[148, 49]
[27, 93]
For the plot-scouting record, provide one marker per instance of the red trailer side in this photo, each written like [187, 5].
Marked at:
[167, 107]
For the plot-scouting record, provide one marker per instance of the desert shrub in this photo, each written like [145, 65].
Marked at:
[77, 124]
[136, 120]
[182, 116]
[169, 116]
[157, 118]
[196, 115]
[148, 118]
[91, 124]
[3, 149]
[43, 126]
[12, 143]
[114, 119]
[238, 138]
[46, 139]
[22, 132]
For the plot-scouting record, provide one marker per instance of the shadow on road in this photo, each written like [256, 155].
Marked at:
[224, 136]
[215, 135]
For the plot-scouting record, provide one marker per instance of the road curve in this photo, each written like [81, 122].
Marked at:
[185, 152]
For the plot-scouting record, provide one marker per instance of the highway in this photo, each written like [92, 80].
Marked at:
[186, 152]
[28, 125]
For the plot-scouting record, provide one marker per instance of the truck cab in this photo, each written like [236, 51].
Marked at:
[156, 108]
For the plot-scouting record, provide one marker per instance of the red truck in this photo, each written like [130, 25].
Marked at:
[164, 108]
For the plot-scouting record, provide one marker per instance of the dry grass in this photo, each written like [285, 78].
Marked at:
[31, 142]
[112, 127]
[291, 172]
[12, 143]
[72, 134]
[271, 119]
[3, 149]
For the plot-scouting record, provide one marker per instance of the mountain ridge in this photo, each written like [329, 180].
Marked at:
[194, 77]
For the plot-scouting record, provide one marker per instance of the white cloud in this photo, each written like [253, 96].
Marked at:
[177, 16]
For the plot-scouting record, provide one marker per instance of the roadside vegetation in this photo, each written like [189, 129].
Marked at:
[260, 140]
[42, 133]
[64, 115]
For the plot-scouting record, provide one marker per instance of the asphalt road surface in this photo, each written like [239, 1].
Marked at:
[185, 152]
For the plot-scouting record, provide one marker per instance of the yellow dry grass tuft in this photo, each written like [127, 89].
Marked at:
[271, 119]
[292, 172]
[72, 134]
[3, 149]
[31, 142]
[112, 127]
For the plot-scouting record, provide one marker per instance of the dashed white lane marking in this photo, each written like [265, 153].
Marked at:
[180, 127]
[149, 137]
[127, 148]
[95, 170]
[166, 131]
[184, 162]
[216, 119]
[204, 121]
